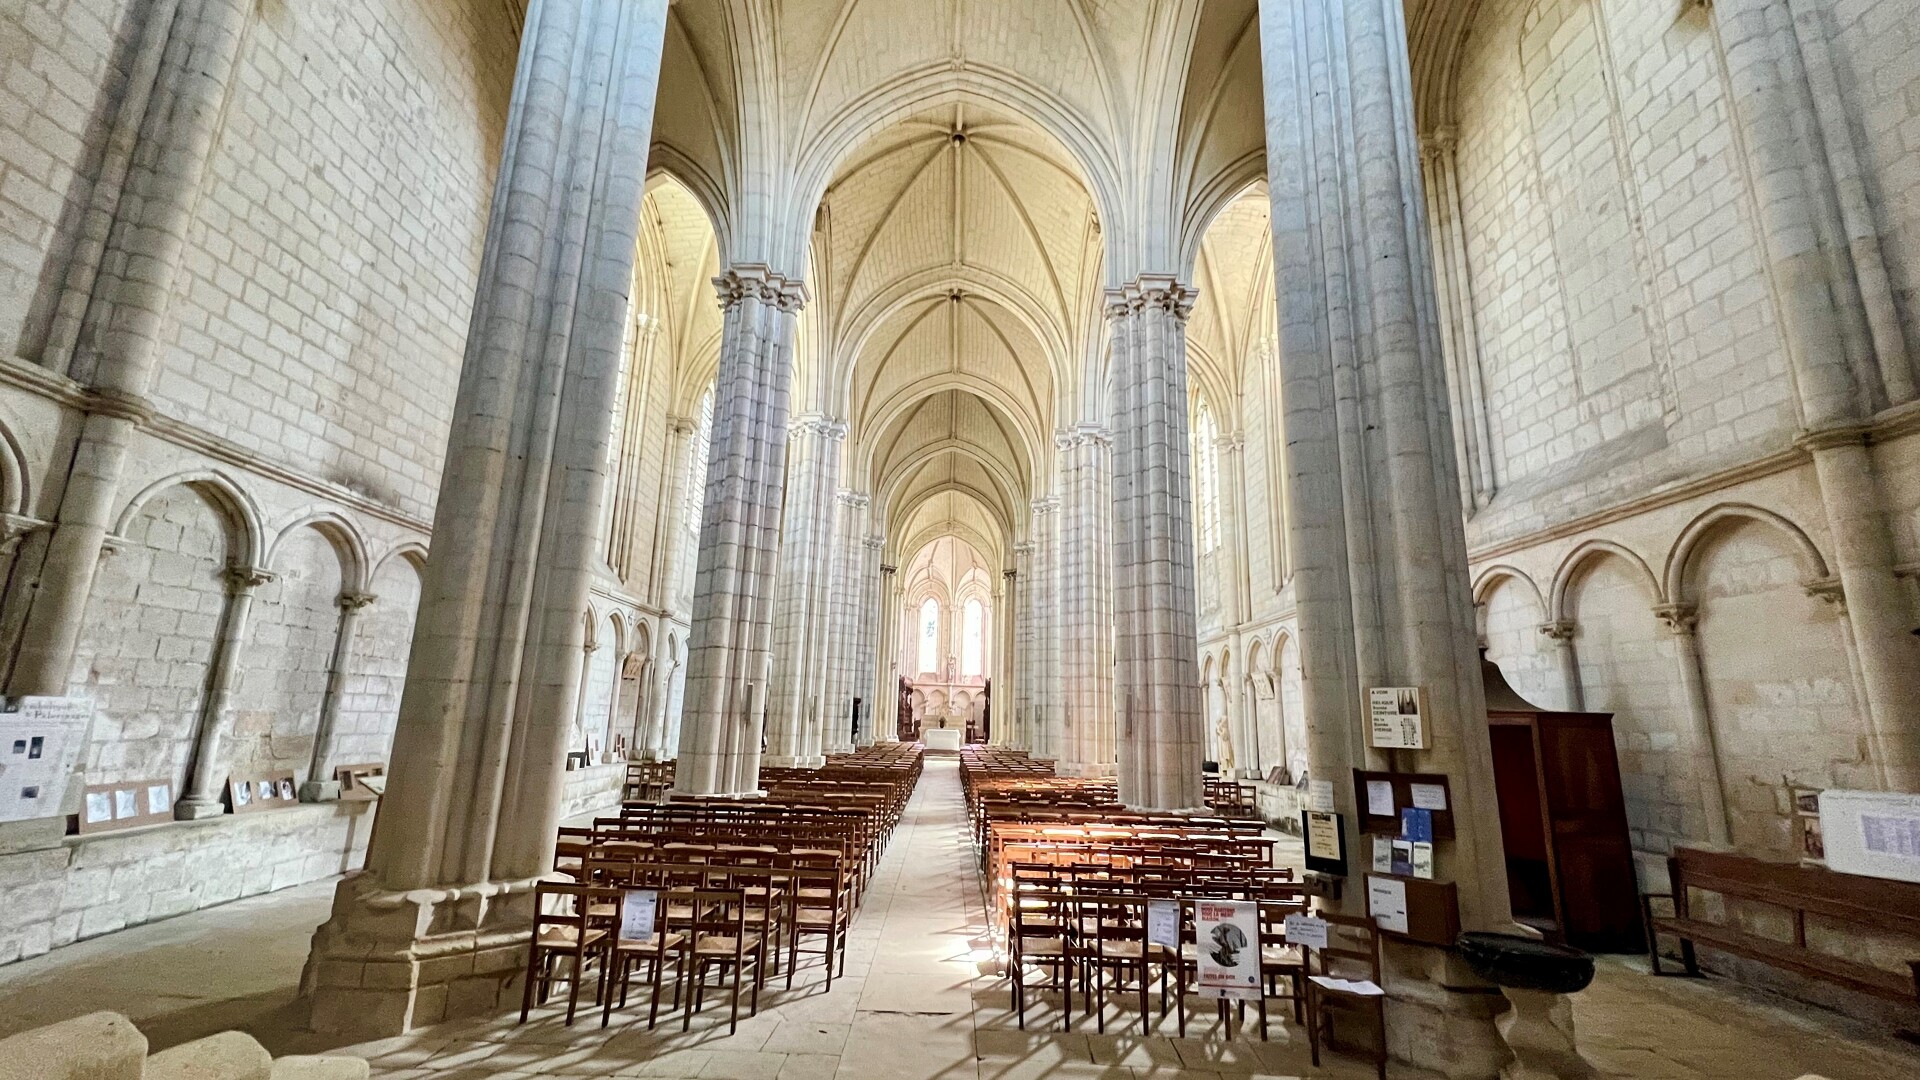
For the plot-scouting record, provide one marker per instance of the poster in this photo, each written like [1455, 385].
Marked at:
[1873, 833]
[40, 741]
[1429, 796]
[1320, 796]
[1387, 903]
[637, 915]
[1323, 836]
[1163, 923]
[1379, 798]
[1394, 717]
[1228, 935]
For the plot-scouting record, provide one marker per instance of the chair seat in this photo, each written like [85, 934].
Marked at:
[717, 944]
[1042, 947]
[565, 937]
[1280, 956]
[815, 917]
[649, 943]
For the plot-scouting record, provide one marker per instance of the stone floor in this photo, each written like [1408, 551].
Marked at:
[919, 1002]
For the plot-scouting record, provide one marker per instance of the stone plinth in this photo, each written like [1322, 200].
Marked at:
[106, 1046]
[386, 962]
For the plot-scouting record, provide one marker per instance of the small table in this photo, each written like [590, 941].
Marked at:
[941, 738]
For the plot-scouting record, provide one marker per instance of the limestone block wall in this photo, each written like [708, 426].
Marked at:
[592, 790]
[86, 886]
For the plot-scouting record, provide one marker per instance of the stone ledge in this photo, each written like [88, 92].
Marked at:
[107, 1046]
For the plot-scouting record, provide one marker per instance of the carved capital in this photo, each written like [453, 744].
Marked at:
[351, 600]
[1558, 630]
[1047, 505]
[889, 570]
[1024, 548]
[756, 281]
[244, 579]
[1084, 435]
[680, 425]
[816, 425]
[857, 500]
[1231, 442]
[1680, 619]
[1439, 142]
[1163, 293]
[1830, 590]
[874, 543]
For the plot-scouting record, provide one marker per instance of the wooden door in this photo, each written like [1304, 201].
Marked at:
[1587, 820]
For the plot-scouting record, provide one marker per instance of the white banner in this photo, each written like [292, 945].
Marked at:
[1228, 935]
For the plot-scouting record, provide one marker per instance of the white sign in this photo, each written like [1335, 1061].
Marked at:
[40, 741]
[1228, 935]
[1383, 854]
[637, 915]
[1387, 903]
[1429, 796]
[1163, 923]
[1394, 718]
[1873, 833]
[1380, 798]
[1307, 930]
[1320, 796]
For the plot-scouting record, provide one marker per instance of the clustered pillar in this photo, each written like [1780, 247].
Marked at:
[1082, 547]
[730, 660]
[795, 716]
[436, 925]
[1156, 622]
[1380, 567]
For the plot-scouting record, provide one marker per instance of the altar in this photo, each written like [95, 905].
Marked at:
[941, 738]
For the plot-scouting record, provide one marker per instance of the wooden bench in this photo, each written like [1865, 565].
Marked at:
[1847, 901]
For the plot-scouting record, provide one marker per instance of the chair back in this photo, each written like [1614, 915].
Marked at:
[1352, 951]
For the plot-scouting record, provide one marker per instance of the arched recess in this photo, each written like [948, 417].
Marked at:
[383, 639]
[1293, 710]
[1628, 667]
[152, 624]
[1776, 669]
[316, 563]
[1512, 612]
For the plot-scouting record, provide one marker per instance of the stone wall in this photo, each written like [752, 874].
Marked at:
[86, 886]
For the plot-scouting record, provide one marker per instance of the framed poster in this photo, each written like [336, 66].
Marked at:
[1397, 717]
[1228, 958]
[40, 742]
[1325, 840]
[1871, 833]
[126, 804]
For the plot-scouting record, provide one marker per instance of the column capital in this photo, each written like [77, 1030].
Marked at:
[1680, 618]
[1161, 292]
[1049, 504]
[1083, 435]
[1009, 573]
[680, 425]
[818, 425]
[1231, 442]
[351, 600]
[244, 579]
[1024, 547]
[874, 543]
[858, 500]
[888, 569]
[1558, 629]
[1830, 438]
[1439, 141]
[757, 281]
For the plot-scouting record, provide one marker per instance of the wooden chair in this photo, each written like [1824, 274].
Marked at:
[655, 950]
[717, 939]
[563, 928]
[1352, 953]
[1042, 933]
[822, 907]
[1115, 944]
[1280, 961]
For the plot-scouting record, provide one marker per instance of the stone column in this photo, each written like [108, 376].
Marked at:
[1025, 681]
[730, 659]
[1047, 733]
[867, 662]
[886, 700]
[1380, 571]
[1231, 448]
[1460, 336]
[806, 573]
[1683, 621]
[582, 687]
[1084, 547]
[113, 304]
[1841, 330]
[339, 666]
[847, 620]
[205, 774]
[680, 467]
[1560, 632]
[1162, 738]
[658, 737]
[436, 925]
[1006, 680]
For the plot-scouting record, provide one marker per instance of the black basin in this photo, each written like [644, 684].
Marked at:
[1526, 964]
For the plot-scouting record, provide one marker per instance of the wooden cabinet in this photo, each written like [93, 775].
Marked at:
[1563, 821]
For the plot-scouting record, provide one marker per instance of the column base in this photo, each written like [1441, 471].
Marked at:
[1440, 1016]
[386, 963]
[186, 810]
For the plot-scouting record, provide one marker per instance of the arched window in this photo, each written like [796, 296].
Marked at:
[701, 446]
[929, 635]
[1206, 480]
[973, 634]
